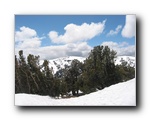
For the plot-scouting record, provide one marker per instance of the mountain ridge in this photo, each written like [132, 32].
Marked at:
[60, 63]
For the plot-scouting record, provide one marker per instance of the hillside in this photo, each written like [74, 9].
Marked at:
[60, 63]
[129, 59]
[121, 94]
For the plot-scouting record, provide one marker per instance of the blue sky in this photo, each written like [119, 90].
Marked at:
[38, 34]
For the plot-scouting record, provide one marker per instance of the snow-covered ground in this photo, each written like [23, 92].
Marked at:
[121, 94]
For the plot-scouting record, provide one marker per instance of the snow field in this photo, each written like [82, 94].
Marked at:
[121, 94]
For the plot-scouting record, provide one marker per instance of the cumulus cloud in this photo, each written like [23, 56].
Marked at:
[129, 29]
[24, 33]
[78, 49]
[51, 52]
[121, 48]
[27, 38]
[77, 33]
[116, 31]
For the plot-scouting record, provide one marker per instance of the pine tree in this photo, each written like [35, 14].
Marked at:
[125, 71]
[63, 87]
[23, 74]
[17, 78]
[48, 78]
[97, 72]
[100, 68]
[34, 72]
[71, 76]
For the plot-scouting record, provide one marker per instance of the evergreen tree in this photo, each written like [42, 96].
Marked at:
[48, 78]
[17, 77]
[100, 68]
[97, 72]
[23, 76]
[125, 71]
[72, 75]
[63, 87]
[34, 73]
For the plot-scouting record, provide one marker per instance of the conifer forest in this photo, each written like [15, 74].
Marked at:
[95, 73]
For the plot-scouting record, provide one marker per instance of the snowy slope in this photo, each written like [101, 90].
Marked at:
[121, 94]
[60, 63]
[129, 59]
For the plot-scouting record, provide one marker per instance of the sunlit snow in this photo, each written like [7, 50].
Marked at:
[121, 94]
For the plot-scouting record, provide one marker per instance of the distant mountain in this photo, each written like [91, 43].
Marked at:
[59, 63]
[129, 59]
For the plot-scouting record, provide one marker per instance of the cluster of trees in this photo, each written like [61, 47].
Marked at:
[97, 72]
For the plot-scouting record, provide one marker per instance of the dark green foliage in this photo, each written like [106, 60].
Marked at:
[97, 72]
[29, 78]
[125, 71]
[99, 68]
[74, 72]
[21, 74]
[63, 88]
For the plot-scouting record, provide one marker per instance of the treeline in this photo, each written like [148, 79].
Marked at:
[97, 72]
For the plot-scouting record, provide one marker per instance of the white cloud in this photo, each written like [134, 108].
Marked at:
[51, 52]
[116, 31]
[78, 49]
[129, 29]
[29, 43]
[77, 33]
[121, 48]
[24, 33]
[27, 38]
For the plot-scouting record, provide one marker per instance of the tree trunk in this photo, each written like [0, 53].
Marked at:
[77, 92]
[27, 81]
[73, 92]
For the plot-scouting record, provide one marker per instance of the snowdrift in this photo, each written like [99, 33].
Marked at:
[121, 94]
